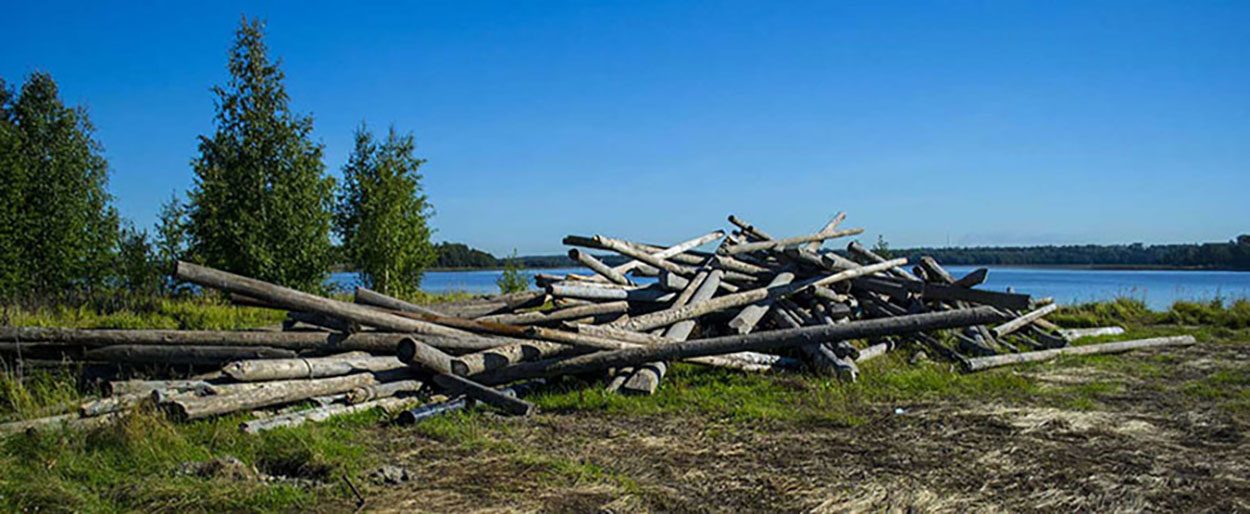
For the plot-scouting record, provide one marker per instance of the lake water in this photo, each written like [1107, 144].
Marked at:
[1157, 288]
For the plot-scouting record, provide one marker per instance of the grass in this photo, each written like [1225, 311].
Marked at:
[132, 466]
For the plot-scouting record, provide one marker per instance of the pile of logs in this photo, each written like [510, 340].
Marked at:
[753, 303]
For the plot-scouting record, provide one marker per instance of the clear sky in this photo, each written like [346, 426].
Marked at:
[968, 123]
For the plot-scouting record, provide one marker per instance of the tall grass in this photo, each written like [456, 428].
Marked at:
[1217, 313]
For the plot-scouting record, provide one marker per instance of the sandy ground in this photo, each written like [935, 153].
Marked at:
[1142, 448]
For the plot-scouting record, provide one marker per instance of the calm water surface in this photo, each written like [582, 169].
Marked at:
[1157, 288]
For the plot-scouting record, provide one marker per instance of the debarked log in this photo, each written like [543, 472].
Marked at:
[538, 317]
[981, 363]
[760, 341]
[373, 392]
[318, 367]
[273, 393]
[1077, 333]
[1022, 321]
[367, 296]
[298, 418]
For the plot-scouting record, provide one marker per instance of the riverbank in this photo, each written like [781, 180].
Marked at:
[784, 441]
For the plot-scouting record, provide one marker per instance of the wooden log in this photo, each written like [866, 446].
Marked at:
[981, 363]
[534, 318]
[274, 393]
[759, 341]
[749, 230]
[646, 377]
[935, 271]
[301, 301]
[669, 316]
[1022, 321]
[195, 355]
[746, 319]
[599, 267]
[478, 362]
[819, 354]
[829, 227]
[295, 419]
[439, 365]
[789, 241]
[367, 341]
[284, 369]
[672, 251]
[67, 421]
[973, 278]
[426, 411]
[145, 387]
[640, 294]
[365, 296]
[869, 257]
[493, 305]
[321, 321]
[386, 390]
[874, 351]
[1077, 333]
[109, 405]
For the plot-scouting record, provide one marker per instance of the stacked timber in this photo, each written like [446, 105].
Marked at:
[743, 300]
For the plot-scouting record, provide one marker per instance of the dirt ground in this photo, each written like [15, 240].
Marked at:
[1140, 447]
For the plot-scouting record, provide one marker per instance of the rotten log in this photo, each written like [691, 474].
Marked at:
[365, 296]
[428, 358]
[385, 390]
[981, 363]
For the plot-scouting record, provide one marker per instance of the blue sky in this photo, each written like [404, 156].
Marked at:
[968, 123]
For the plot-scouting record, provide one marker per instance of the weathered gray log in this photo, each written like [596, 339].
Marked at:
[599, 267]
[973, 278]
[374, 392]
[69, 421]
[934, 291]
[320, 320]
[367, 296]
[537, 317]
[111, 404]
[205, 355]
[284, 369]
[746, 319]
[275, 393]
[870, 257]
[981, 363]
[298, 418]
[145, 387]
[935, 271]
[819, 354]
[669, 316]
[789, 241]
[1077, 333]
[1022, 321]
[874, 351]
[749, 229]
[589, 292]
[829, 227]
[672, 251]
[298, 300]
[493, 305]
[366, 341]
[646, 378]
[760, 341]
[425, 411]
[440, 366]
[478, 362]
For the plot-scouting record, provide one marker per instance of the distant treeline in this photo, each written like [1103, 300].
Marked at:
[1231, 255]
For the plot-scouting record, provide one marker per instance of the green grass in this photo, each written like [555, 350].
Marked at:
[130, 467]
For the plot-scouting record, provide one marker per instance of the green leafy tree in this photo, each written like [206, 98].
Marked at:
[382, 212]
[260, 205]
[58, 229]
[138, 271]
[512, 280]
[882, 248]
[170, 242]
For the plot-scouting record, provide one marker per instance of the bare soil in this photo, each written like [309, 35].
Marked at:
[1142, 446]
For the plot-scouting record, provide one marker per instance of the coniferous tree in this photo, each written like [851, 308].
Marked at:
[261, 201]
[58, 229]
[382, 212]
